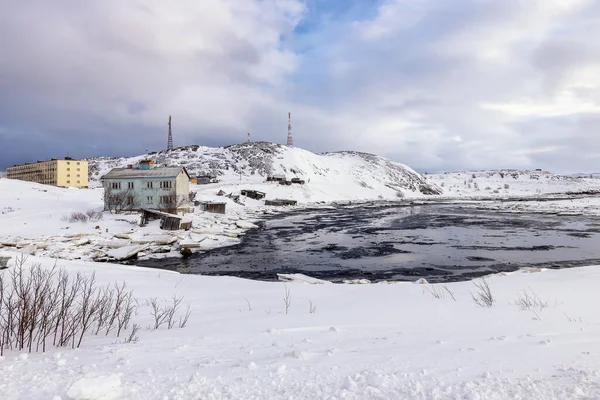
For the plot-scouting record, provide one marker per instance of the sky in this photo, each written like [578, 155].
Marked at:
[440, 85]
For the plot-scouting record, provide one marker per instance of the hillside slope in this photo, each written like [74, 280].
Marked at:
[331, 176]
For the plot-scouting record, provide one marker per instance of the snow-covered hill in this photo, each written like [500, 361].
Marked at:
[499, 183]
[331, 176]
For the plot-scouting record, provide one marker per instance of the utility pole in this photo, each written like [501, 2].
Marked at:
[170, 139]
[290, 140]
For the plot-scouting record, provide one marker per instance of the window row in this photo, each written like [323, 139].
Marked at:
[149, 185]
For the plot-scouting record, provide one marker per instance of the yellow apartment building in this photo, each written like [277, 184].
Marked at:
[67, 172]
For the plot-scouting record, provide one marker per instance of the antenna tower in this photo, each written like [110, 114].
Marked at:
[248, 137]
[290, 140]
[170, 140]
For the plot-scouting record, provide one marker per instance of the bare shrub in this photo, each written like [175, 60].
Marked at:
[78, 217]
[89, 215]
[530, 301]
[287, 300]
[116, 200]
[93, 215]
[41, 307]
[483, 296]
[167, 314]
[192, 196]
[440, 292]
[133, 337]
[183, 320]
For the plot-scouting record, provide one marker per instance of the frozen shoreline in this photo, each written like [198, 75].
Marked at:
[350, 341]
[33, 220]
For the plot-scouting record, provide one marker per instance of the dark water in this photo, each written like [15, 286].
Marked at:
[399, 242]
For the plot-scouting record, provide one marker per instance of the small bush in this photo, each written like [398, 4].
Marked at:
[527, 301]
[483, 296]
[93, 215]
[48, 307]
[167, 314]
[89, 215]
[440, 292]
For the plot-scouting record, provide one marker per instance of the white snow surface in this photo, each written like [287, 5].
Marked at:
[363, 341]
[34, 218]
[378, 341]
[507, 183]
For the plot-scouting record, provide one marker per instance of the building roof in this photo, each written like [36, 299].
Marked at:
[157, 172]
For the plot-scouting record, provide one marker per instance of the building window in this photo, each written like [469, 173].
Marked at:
[78, 175]
[77, 162]
[149, 184]
[68, 175]
[149, 199]
[68, 182]
[130, 200]
[166, 184]
[115, 185]
[129, 185]
[78, 169]
[68, 169]
[167, 199]
[68, 162]
[78, 181]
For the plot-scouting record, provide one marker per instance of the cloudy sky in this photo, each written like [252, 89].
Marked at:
[436, 84]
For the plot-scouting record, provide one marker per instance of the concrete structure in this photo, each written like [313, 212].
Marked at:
[165, 188]
[67, 172]
[206, 179]
[213, 207]
[253, 194]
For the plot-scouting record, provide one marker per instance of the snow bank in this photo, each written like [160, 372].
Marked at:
[397, 341]
[96, 388]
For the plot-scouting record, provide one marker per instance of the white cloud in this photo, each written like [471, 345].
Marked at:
[204, 60]
[434, 84]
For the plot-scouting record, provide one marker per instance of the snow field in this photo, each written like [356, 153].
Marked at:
[380, 341]
[506, 183]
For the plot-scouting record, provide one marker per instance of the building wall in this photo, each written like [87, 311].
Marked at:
[72, 173]
[151, 192]
[53, 172]
[42, 172]
[183, 190]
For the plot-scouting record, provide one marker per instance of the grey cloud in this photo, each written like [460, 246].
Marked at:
[87, 75]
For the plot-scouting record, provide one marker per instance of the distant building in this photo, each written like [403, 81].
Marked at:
[276, 178]
[67, 172]
[161, 188]
[206, 179]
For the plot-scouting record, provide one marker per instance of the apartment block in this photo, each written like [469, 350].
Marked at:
[65, 172]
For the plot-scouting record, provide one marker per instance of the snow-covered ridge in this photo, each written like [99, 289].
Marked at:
[510, 182]
[360, 175]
